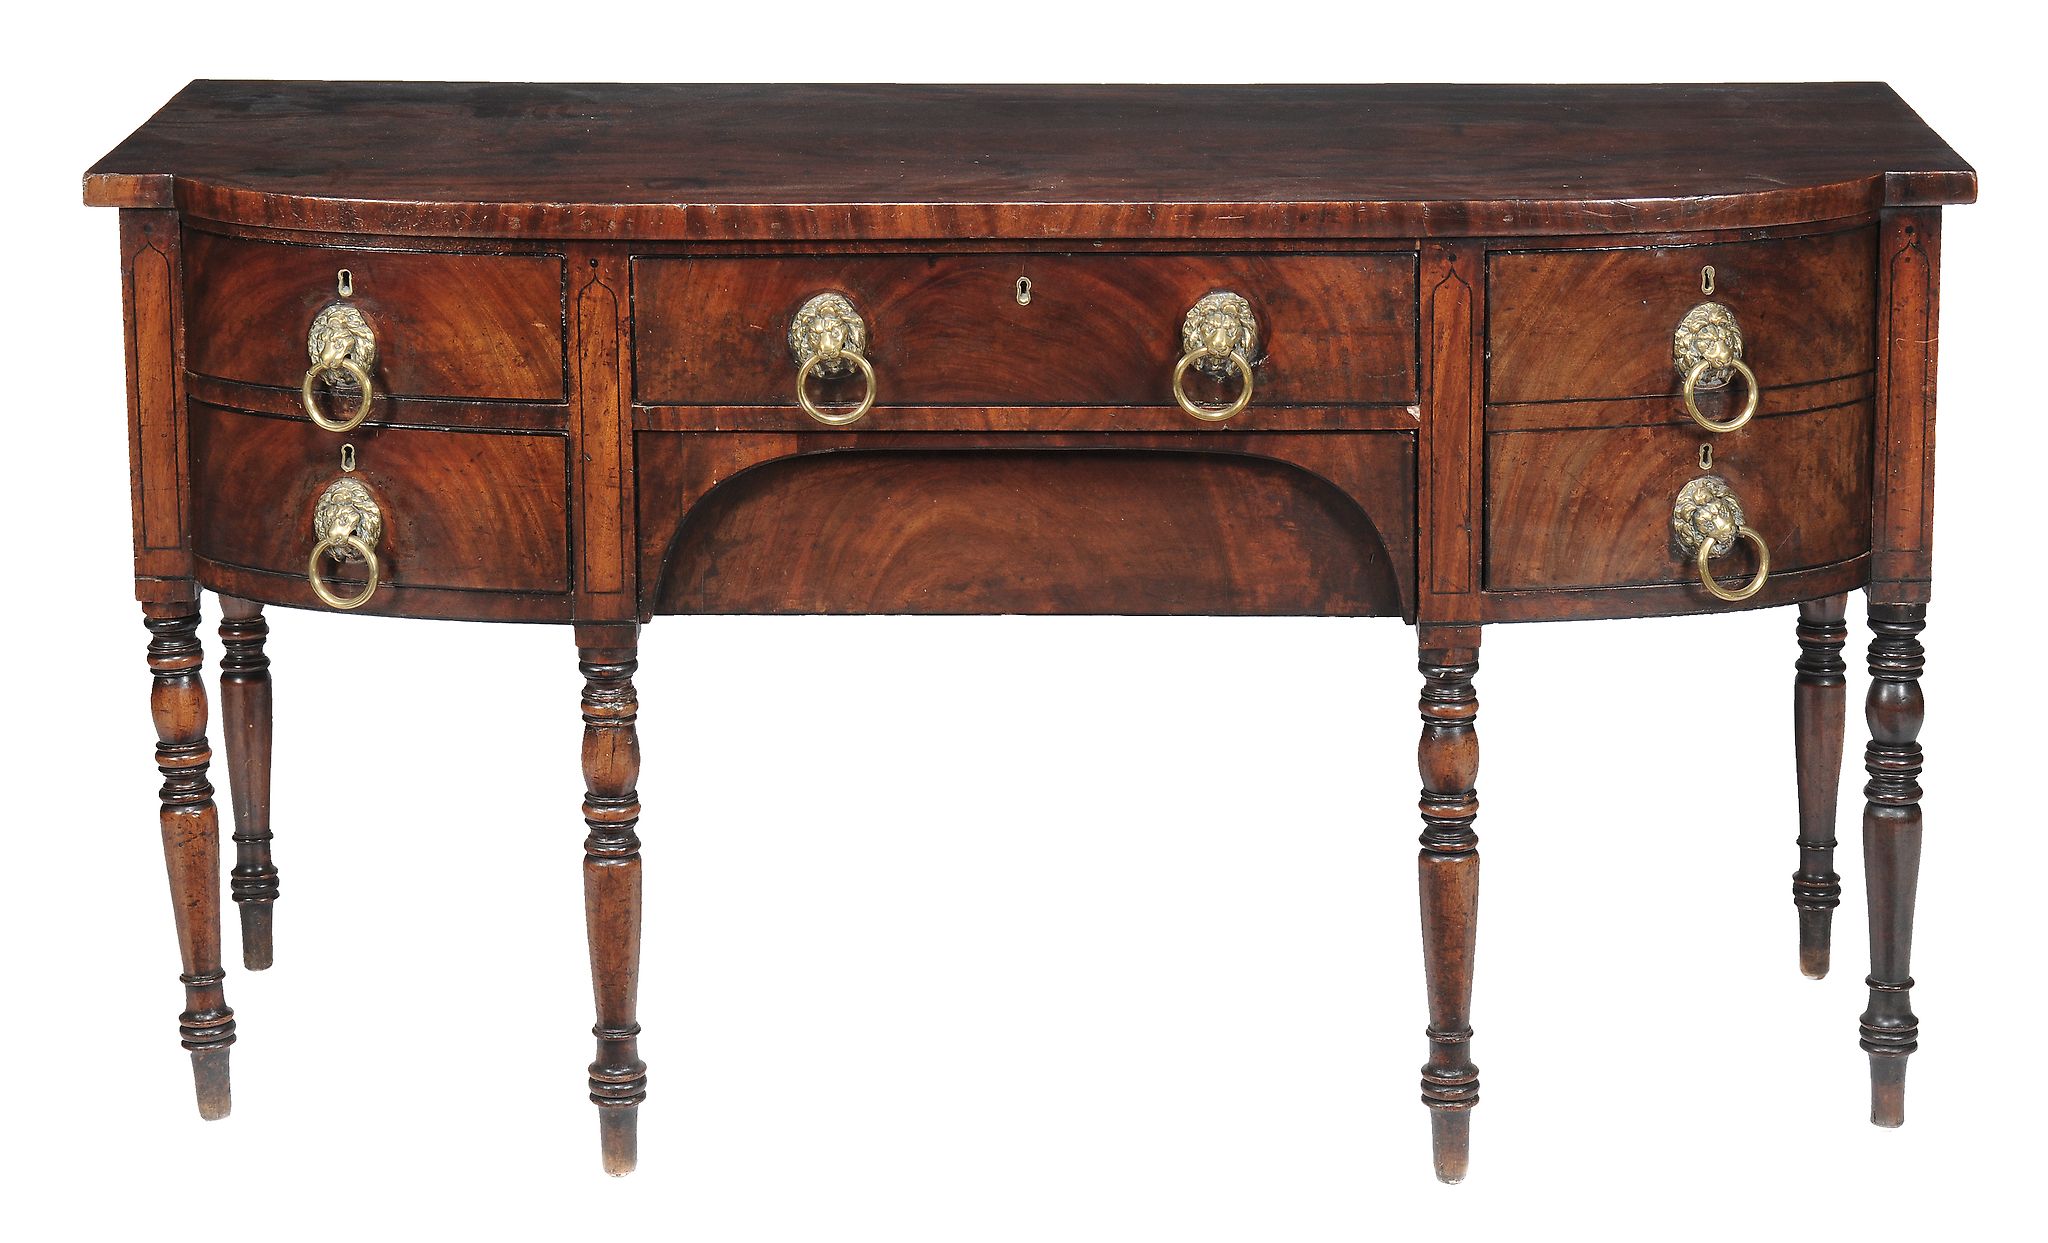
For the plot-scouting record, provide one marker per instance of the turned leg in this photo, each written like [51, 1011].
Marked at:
[1820, 698]
[245, 732]
[611, 883]
[1891, 849]
[1449, 872]
[191, 833]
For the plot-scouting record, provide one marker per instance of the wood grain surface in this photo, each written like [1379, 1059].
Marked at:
[466, 510]
[477, 326]
[1569, 324]
[1099, 330]
[1593, 508]
[1023, 531]
[808, 162]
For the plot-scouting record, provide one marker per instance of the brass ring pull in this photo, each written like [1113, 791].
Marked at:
[1706, 349]
[367, 555]
[828, 338]
[340, 340]
[1756, 584]
[347, 522]
[365, 394]
[1212, 414]
[827, 417]
[1706, 522]
[1219, 335]
[1692, 379]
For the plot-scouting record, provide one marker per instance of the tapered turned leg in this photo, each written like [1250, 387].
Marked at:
[1820, 701]
[245, 732]
[1891, 849]
[191, 833]
[611, 883]
[1449, 871]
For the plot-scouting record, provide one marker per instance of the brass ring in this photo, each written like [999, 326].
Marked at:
[1692, 379]
[356, 372]
[356, 544]
[1763, 569]
[1206, 413]
[803, 396]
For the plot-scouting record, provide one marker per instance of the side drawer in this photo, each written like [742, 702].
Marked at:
[463, 510]
[1592, 508]
[1096, 330]
[485, 327]
[1566, 325]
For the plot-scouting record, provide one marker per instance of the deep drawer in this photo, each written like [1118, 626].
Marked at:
[1593, 508]
[1568, 325]
[469, 511]
[952, 330]
[446, 325]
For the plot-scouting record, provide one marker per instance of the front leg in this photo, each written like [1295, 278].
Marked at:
[1891, 849]
[611, 882]
[1449, 872]
[191, 833]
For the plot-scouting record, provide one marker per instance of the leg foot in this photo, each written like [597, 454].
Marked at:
[1820, 696]
[210, 1081]
[611, 882]
[1450, 1143]
[191, 837]
[1816, 943]
[245, 729]
[1448, 869]
[1891, 849]
[618, 1133]
[1887, 1091]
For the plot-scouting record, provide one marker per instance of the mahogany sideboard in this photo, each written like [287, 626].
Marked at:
[1461, 355]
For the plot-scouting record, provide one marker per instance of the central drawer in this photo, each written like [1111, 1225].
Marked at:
[1017, 330]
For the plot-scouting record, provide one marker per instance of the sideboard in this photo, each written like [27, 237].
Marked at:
[1458, 355]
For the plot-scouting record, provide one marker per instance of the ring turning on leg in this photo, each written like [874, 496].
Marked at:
[245, 734]
[191, 835]
[611, 883]
[1448, 869]
[1891, 849]
[1820, 696]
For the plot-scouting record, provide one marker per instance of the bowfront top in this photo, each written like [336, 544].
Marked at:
[756, 162]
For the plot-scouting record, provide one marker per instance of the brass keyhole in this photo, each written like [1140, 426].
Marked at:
[1023, 291]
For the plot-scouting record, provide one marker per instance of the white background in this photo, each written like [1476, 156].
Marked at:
[992, 929]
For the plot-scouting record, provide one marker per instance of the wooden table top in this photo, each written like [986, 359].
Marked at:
[767, 162]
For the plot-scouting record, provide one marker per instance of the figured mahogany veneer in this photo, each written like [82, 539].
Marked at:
[1565, 325]
[1465, 411]
[1593, 508]
[1099, 330]
[468, 512]
[1025, 531]
[449, 325]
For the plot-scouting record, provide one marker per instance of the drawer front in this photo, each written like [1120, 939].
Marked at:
[957, 330]
[445, 325]
[462, 510]
[1593, 508]
[1572, 325]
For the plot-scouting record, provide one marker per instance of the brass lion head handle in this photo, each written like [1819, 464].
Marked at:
[343, 349]
[829, 339]
[1707, 350]
[1219, 336]
[347, 523]
[1706, 520]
